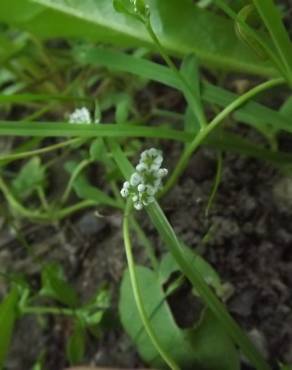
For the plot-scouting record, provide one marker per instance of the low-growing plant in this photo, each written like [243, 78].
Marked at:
[195, 33]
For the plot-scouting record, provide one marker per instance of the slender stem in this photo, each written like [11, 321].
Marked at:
[137, 293]
[203, 133]
[47, 149]
[48, 311]
[186, 88]
[215, 184]
[50, 215]
[62, 213]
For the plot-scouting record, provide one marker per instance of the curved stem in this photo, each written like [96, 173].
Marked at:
[14, 156]
[203, 133]
[48, 311]
[137, 293]
[216, 183]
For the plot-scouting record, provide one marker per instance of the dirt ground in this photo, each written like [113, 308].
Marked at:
[249, 243]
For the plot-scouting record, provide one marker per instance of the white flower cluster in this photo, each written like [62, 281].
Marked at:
[147, 180]
[80, 115]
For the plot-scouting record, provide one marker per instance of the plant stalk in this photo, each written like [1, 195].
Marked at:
[137, 293]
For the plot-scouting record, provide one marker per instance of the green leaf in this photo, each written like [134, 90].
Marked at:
[8, 315]
[190, 71]
[136, 8]
[270, 15]
[215, 349]
[210, 36]
[97, 150]
[248, 15]
[251, 113]
[52, 129]
[286, 108]
[191, 348]
[93, 312]
[75, 348]
[85, 190]
[55, 286]
[31, 175]
[169, 265]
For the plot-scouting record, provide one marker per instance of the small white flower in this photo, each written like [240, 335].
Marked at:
[135, 198]
[153, 152]
[141, 188]
[126, 185]
[162, 172]
[150, 190]
[158, 160]
[141, 167]
[81, 116]
[138, 206]
[135, 179]
[124, 193]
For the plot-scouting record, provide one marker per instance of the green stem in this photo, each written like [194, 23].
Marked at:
[137, 293]
[203, 133]
[47, 149]
[215, 184]
[50, 215]
[65, 212]
[186, 88]
[48, 311]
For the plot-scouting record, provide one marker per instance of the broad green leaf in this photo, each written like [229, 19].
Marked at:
[168, 265]
[31, 175]
[215, 349]
[85, 190]
[55, 286]
[136, 8]
[75, 348]
[8, 315]
[190, 348]
[208, 35]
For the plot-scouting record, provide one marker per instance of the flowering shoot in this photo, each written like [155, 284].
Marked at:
[146, 181]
